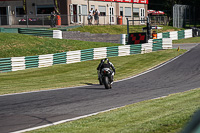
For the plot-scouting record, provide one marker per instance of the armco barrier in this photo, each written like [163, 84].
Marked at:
[18, 63]
[45, 60]
[166, 43]
[41, 32]
[5, 65]
[135, 49]
[36, 32]
[112, 51]
[175, 35]
[100, 53]
[147, 47]
[166, 35]
[32, 61]
[73, 56]
[188, 33]
[181, 34]
[57, 34]
[59, 58]
[87, 54]
[21, 63]
[157, 44]
[9, 30]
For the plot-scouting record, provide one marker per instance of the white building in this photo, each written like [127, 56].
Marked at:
[71, 11]
[110, 10]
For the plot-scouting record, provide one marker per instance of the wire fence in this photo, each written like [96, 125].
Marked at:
[159, 20]
[185, 16]
[180, 15]
[45, 20]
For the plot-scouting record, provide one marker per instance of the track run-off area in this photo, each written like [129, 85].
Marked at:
[28, 110]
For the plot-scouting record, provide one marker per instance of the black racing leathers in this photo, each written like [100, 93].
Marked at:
[105, 65]
[99, 66]
[108, 65]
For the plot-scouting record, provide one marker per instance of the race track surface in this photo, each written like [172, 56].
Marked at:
[24, 111]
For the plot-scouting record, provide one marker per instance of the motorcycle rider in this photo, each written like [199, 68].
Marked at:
[98, 68]
[106, 64]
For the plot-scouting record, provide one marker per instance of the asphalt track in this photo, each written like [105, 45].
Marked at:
[22, 111]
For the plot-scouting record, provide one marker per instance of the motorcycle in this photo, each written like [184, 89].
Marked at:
[106, 78]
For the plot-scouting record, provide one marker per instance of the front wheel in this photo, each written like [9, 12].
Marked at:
[107, 83]
[100, 81]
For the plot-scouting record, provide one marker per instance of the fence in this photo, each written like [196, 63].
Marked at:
[180, 15]
[186, 16]
[38, 31]
[159, 20]
[176, 35]
[22, 63]
[45, 20]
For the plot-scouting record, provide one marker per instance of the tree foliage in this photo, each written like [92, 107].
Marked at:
[167, 5]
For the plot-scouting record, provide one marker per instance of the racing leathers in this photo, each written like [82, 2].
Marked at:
[106, 65]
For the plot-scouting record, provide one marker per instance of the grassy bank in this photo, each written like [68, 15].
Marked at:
[119, 29]
[67, 75]
[188, 40]
[169, 114]
[16, 45]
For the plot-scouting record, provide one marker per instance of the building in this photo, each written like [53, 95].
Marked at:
[14, 12]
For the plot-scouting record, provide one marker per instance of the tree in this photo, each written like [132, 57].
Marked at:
[167, 5]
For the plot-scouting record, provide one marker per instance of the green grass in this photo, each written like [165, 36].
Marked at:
[16, 45]
[188, 40]
[67, 75]
[119, 29]
[164, 115]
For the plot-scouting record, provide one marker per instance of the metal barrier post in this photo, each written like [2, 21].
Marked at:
[127, 26]
[27, 21]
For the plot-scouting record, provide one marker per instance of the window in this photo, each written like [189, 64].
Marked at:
[84, 10]
[102, 10]
[93, 6]
[45, 9]
[127, 11]
[136, 12]
[121, 11]
[19, 11]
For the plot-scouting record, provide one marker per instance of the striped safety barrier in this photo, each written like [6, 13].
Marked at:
[41, 32]
[176, 35]
[22, 63]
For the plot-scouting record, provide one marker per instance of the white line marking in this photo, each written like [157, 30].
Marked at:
[159, 66]
[77, 118]
[63, 121]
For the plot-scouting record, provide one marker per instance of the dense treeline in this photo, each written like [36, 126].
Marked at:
[167, 5]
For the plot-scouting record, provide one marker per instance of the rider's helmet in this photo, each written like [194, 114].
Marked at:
[102, 61]
[106, 60]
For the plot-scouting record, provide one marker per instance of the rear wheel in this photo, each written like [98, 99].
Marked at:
[107, 83]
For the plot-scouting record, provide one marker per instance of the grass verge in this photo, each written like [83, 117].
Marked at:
[67, 75]
[168, 114]
[16, 45]
[119, 29]
[188, 40]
